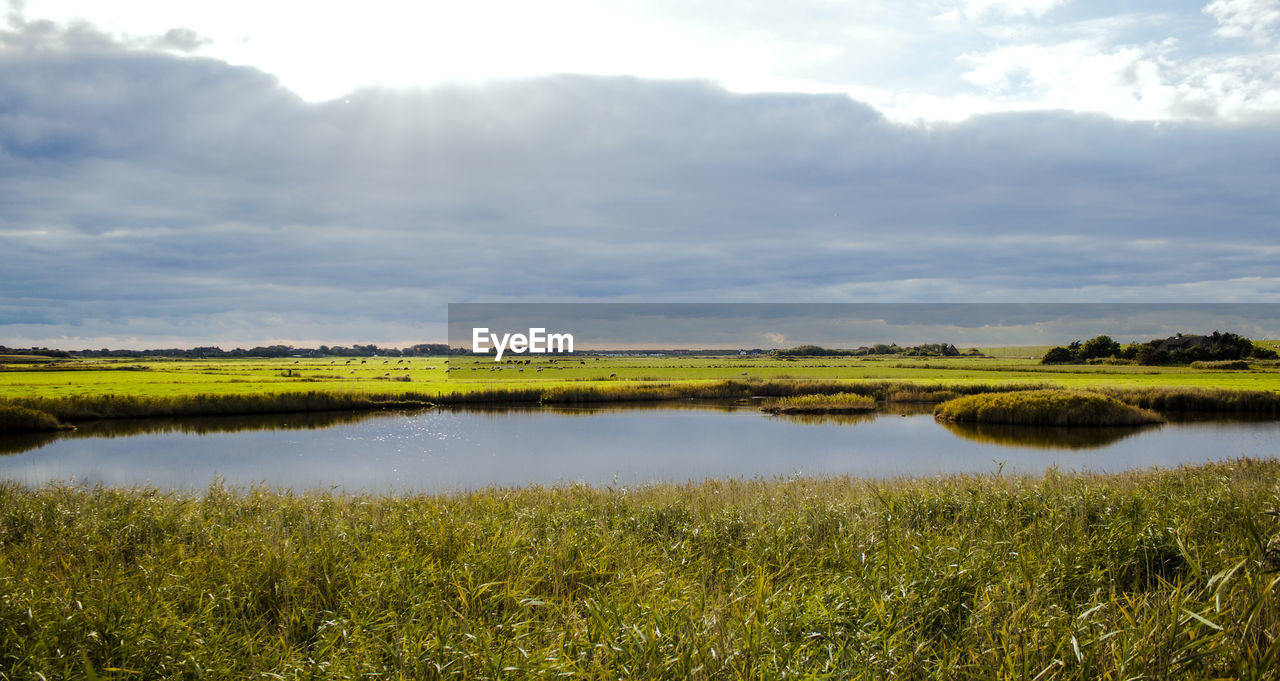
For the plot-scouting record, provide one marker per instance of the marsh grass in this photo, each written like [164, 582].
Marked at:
[16, 419]
[112, 406]
[839, 403]
[88, 407]
[1158, 575]
[1045, 408]
[107, 406]
[1197, 399]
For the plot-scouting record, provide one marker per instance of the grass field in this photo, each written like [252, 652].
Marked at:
[1145, 575]
[93, 389]
[1148, 575]
[432, 376]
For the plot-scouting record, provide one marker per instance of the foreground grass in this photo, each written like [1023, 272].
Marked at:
[1154, 575]
[1046, 408]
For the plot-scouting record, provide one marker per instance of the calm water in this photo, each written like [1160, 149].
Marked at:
[443, 450]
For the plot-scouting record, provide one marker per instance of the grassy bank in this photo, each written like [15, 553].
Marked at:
[16, 419]
[88, 407]
[112, 406]
[1144, 575]
[1198, 399]
[82, 407]
[839, 403]
[1045, 408]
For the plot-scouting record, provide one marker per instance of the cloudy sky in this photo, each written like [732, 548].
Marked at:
[177, 174]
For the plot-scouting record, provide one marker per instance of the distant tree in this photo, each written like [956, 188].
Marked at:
[1130, 351]
[1099, 347]
[804, 351]
[1150, 355]
[1217, 346]
[1058, 355]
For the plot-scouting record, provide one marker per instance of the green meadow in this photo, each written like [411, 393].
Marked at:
[77, 389]
[432, 376]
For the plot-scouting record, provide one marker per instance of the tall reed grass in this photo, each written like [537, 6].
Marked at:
[16, 419]
[75, 408]
[839, 403]
[1046, 408]
[87, 407]
[1154, 575]
[1197, 399]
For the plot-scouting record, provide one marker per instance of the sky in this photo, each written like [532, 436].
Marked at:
[181, 174]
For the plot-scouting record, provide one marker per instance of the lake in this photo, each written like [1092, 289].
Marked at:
[444, 450]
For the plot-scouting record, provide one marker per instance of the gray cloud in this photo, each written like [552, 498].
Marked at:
[181, 40]
[146, 196]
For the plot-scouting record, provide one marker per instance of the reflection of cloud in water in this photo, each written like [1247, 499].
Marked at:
[440, 450]
[1043, 437]
[207, 425]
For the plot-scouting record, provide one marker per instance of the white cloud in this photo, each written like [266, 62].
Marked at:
[916, 60]
[1253, 19]
[1137, 81]
[1128, 81]
[1034, 8]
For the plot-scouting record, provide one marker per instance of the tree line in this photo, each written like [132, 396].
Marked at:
[924, 350]
[268, 351]
[1217, 346]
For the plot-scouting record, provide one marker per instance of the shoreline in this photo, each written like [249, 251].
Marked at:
[68, 410]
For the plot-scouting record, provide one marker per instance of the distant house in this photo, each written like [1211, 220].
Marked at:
[1181, 342]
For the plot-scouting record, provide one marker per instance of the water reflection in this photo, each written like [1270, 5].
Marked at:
[854, 418]
[205, 425]
[22, 442]
[1043, 437]
[851, 419]
[591, 408]
[457, 448]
